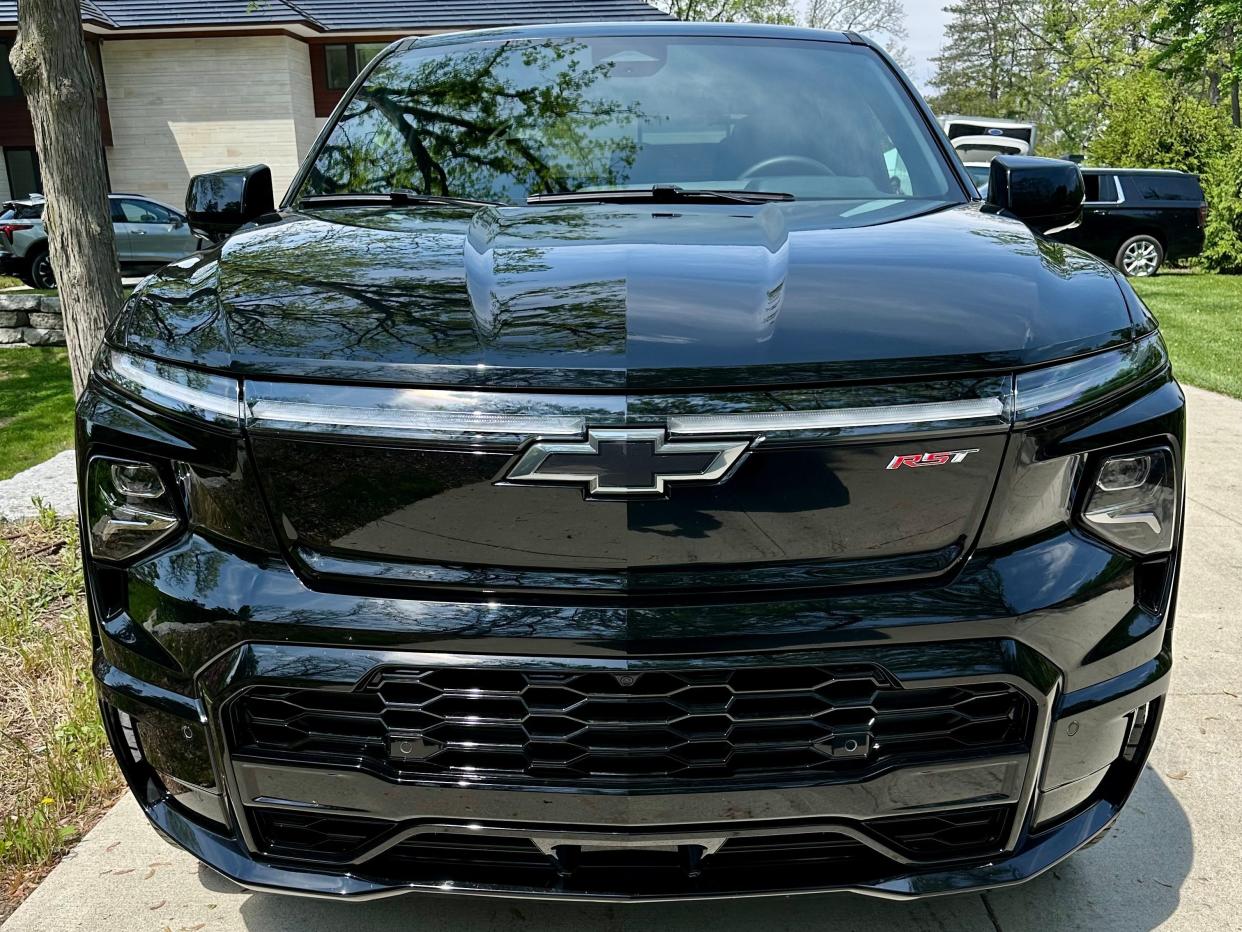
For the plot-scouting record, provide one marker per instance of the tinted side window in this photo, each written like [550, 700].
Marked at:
[145, 212]
[1165, 187]
[1099, 188]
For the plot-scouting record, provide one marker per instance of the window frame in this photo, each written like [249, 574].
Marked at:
[8, 171]
[1121, 197]
[6, 46]
[352, 67]
[325, 96]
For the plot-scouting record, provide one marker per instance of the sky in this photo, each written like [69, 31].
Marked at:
[925, 19]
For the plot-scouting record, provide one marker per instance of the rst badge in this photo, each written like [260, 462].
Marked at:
[918, 460]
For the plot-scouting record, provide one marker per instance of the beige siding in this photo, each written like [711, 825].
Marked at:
[184, 106]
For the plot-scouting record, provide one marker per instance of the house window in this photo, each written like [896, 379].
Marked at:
[344, 62]
[8, 81]
[22, 167]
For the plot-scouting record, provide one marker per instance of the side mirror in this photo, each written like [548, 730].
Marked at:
[177, 222]
[217, 203]
[1045, 194]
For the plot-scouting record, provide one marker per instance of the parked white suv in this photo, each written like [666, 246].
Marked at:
[148, 235]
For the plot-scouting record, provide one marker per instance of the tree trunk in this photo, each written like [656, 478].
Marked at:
[49, 60]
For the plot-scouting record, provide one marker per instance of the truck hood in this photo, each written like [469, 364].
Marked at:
[608, 296]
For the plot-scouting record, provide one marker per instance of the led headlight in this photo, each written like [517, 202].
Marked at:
[1042, 393]
[203, 396]
[129, 509]
[1133, 501]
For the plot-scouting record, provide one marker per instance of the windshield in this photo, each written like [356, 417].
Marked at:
[501, 121]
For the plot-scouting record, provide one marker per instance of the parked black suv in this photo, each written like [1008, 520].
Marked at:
[1139, 218]
[633, 463]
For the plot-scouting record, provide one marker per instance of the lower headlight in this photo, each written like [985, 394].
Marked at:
[128, 506]
[1133, 501]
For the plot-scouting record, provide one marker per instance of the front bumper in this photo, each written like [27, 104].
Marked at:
[218, 828]
[1082, 753]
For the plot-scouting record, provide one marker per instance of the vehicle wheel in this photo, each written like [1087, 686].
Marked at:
[41, 274]
[1140, 256]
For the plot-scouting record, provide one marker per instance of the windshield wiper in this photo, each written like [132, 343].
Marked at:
[398, 197]
[661, 194]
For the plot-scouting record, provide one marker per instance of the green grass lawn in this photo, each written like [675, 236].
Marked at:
[7, 281]
[36, 407]
[1201, 318]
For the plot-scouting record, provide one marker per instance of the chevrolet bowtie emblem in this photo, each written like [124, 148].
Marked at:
[618, 462]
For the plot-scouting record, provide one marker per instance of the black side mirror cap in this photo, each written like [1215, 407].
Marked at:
[1045, 194]
[217, 203]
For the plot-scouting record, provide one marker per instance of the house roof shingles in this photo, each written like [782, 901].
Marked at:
[349, 15]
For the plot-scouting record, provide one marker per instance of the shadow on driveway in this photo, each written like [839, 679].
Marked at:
[1131, 881]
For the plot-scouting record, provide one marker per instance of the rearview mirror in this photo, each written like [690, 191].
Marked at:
[1045, 194]
[217, 203]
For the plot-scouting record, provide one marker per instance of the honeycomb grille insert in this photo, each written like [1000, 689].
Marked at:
[661, 725]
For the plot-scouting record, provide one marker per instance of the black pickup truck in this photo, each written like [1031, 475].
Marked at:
[633, 463]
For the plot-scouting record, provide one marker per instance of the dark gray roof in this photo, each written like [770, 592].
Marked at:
[349, 15]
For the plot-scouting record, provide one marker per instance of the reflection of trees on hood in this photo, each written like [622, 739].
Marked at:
[1056, 257]
[479, 124]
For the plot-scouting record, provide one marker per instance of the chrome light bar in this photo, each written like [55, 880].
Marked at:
[429, 423]
[417, 414]
[512, 419]
[781, 422]
[212, 398]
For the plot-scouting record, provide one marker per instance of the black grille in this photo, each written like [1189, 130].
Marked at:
[960, 834]
[670, 725]
[751, 862]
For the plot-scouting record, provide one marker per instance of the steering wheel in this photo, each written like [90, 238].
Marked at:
[802, 161]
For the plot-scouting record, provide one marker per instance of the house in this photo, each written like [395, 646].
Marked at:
[187, 86]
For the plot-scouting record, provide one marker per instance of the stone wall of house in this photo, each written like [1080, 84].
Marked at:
[30, 320]
[183, 106]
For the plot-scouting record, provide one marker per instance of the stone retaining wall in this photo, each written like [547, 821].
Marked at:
[30, 320]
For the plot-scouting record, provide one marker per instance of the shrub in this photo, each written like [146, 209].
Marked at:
[1222, 183]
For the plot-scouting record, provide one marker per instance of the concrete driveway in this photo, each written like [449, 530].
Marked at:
[1174, 859]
